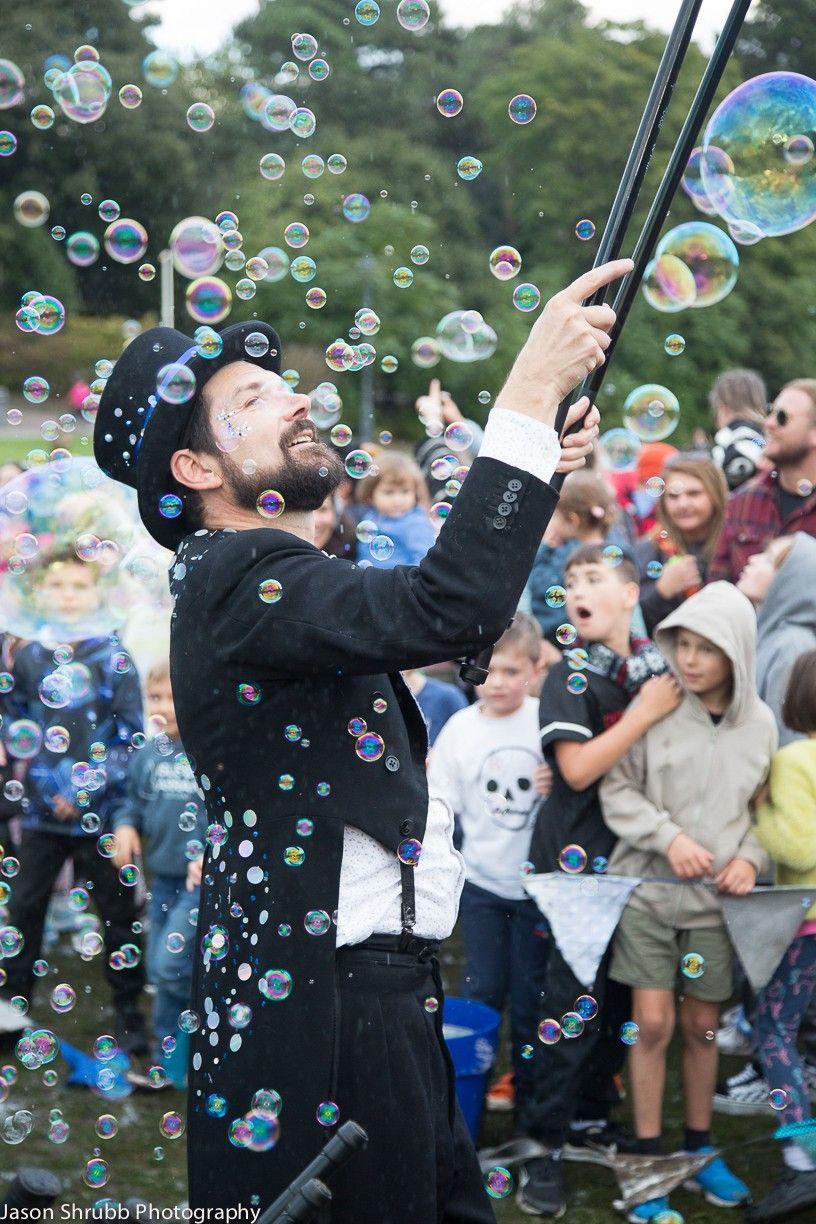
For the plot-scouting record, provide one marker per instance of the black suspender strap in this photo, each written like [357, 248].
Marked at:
[408, 905]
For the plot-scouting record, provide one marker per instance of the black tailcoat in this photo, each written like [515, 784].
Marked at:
[265, 693]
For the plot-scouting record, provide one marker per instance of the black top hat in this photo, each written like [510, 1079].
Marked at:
[138, 427]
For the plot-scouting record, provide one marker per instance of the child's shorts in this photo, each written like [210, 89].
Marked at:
[649, 956]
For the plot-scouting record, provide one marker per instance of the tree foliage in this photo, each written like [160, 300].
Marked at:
[377, 108]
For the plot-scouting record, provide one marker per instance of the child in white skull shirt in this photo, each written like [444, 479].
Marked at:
[487, 765]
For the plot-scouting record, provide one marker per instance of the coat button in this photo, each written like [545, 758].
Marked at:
[392, 764]
[514, 485]
[499, 524]
[406, 827]
[504, 509]
[509, 497]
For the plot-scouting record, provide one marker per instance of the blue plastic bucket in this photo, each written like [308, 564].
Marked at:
[472, 1034]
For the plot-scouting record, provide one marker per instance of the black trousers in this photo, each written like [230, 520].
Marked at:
[395, 1078]
[41, 857]
[574, 1078]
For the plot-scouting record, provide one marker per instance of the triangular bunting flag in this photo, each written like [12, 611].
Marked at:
[583, 912]
[642, 1178]
[762, 926]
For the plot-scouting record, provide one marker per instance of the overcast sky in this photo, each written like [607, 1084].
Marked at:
[199, 26]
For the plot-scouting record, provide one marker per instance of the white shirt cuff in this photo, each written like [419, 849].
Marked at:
[522, 442]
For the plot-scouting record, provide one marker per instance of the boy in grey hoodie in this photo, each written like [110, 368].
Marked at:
[679, 802]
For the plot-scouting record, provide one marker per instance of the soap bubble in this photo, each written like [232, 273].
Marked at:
[572, 859]
[585, 230]
[31, 209]
[82, 249]
[522, 109]
[197, 247]
[709, 254]
[200, 117]
[674, 344]
[498, 1183]
[42, 117]
[629, 1032]
[160, 69]
[403, 277]
[549, 1031]
[83, 91]
[459, 340]
[777, 1098]
[12, 84]
[356, 207]
[468, 168]
[130, 96]
[125, 240]
[693, 965]
[746, 170]
[367, 12]
[208, 299]
[651, 412]
[413, 15]
[449, 103]
[621, 448]
[278, 110]
[505, 262]
[8, 143]
[669, 285]
[526, 297]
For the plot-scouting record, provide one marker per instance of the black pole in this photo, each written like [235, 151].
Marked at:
[645, 140]
[474, 671]
[349, 1139]
[647, 241]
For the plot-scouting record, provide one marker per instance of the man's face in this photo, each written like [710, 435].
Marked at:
[267, 441]
[791, 442]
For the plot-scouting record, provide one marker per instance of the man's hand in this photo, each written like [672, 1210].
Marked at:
[128, 845]
[567, 341]
[63, 809]
[575, 447]
[737, 878]
[194, 870]
[542, 779]
[678, 575]
[658, 697]
[763, 795]
[688, 859]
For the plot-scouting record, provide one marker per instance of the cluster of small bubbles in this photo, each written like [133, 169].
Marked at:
[572, 859]
[549, 1031]
[629, 1032]
[692, 965]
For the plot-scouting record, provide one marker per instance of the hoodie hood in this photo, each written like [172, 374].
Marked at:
[726, 617]
[791, 598]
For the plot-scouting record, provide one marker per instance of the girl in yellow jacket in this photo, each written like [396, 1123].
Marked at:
[786, 826]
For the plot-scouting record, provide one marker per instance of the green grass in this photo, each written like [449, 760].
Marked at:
[135, 1169]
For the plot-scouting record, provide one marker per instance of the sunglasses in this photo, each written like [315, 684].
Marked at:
[779, 414]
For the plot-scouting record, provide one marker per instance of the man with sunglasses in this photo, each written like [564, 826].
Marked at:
[781, 500]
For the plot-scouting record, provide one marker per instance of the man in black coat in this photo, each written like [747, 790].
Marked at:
[330, 876]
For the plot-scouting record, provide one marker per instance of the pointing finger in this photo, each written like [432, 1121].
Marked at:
[597, 278]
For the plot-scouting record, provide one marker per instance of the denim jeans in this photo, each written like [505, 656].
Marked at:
[173, 969]
[507, 945]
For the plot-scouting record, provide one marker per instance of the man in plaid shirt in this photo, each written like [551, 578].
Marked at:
[781, 501]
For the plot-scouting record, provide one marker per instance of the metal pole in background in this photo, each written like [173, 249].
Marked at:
[367, 265]
[167, 308]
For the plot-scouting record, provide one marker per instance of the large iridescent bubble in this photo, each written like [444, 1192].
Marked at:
[756, 167]
[197, 247]
[464, 336]
[652, 412]
[710, 256]
[669, 285]
[64, 511]
[83, 91]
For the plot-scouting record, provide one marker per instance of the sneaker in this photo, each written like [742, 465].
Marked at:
[597, 1144]
[743, 1093]
[501, 1095]
[719, 1185]
[648, 1211]
[541, 1187]
[736, 1037]
[792, 1193]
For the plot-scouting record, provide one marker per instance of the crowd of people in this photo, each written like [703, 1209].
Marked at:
[651, 710]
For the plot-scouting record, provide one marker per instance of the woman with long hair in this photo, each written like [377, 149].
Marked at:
[675, 556]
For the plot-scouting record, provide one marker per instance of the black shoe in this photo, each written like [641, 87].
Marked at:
[541, 1187]
[130, 1031]
[597, 1144]
[792, 1193]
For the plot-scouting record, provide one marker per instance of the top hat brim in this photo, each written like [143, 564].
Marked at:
[148, 466]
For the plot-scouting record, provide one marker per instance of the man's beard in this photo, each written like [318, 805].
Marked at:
[791, 455]
[304, 482]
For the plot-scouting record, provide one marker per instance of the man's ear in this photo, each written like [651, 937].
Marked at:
[196, 471]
